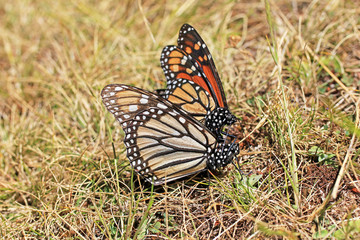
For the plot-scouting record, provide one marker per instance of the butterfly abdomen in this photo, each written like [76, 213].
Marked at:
[222, 155]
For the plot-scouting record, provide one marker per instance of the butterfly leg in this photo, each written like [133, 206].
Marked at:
[208, 175]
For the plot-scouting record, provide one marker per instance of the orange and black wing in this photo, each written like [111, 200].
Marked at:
[192, 60]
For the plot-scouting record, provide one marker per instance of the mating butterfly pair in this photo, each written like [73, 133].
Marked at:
[176, 132]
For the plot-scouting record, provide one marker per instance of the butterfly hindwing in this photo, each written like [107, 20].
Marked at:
[190, 97]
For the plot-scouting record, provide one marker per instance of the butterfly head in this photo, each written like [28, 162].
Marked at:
[230, 119]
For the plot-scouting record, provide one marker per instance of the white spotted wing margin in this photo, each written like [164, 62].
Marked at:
[163, 142]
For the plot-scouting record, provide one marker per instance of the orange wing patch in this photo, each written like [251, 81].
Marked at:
[190, 89]
[175, 60]
[184, 76]
[196, 47]
[176, 54]
[211, 78]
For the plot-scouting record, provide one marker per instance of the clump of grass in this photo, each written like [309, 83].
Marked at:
[290, 71]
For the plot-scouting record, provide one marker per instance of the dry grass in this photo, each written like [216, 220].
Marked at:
[292, 66]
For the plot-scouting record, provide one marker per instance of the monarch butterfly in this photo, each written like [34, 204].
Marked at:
[191, 62]
[164, 142]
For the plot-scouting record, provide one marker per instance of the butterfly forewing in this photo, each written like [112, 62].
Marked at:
[190, 42]
[163, 142]
[177, 64]
[124, 103]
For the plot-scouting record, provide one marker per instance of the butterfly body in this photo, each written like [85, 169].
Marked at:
[164, 142]
[217, 118]
[223, 154]
[191, 61]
